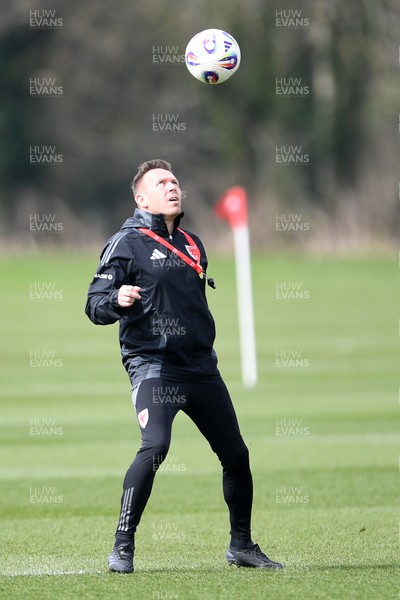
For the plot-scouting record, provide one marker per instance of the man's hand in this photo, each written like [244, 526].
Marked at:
[127, 294]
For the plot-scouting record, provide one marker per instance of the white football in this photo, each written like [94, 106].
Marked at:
[212, 56]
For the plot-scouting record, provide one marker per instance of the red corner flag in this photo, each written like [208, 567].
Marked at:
[232, 206]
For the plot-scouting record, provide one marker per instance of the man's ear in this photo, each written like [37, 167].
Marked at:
[141, 201]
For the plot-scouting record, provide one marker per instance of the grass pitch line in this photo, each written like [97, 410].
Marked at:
[51, 573]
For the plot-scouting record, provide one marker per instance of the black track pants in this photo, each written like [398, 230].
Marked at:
[208, 404]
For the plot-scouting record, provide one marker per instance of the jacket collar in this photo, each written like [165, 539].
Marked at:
[143, 218]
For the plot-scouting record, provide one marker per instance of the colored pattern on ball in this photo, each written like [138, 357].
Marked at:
[212, 56]
[192, 59]
[228, 62]
[210, 44]
[210, 77]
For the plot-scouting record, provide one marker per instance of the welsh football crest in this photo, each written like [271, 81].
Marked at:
[193, 251]
[143, 417]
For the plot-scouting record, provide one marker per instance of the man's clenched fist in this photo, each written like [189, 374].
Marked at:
[127, 294]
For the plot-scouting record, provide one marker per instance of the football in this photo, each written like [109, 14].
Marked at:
[212, 56]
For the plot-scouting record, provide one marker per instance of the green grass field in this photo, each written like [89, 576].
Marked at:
[323, 437]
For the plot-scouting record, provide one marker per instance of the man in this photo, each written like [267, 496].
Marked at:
[152, 278]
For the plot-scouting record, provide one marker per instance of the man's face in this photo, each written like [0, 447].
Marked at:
[158, 192]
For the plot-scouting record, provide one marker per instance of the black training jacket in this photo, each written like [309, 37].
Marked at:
[170, 332]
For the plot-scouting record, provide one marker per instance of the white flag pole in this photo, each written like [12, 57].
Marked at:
[244, 295]
[232, 206]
